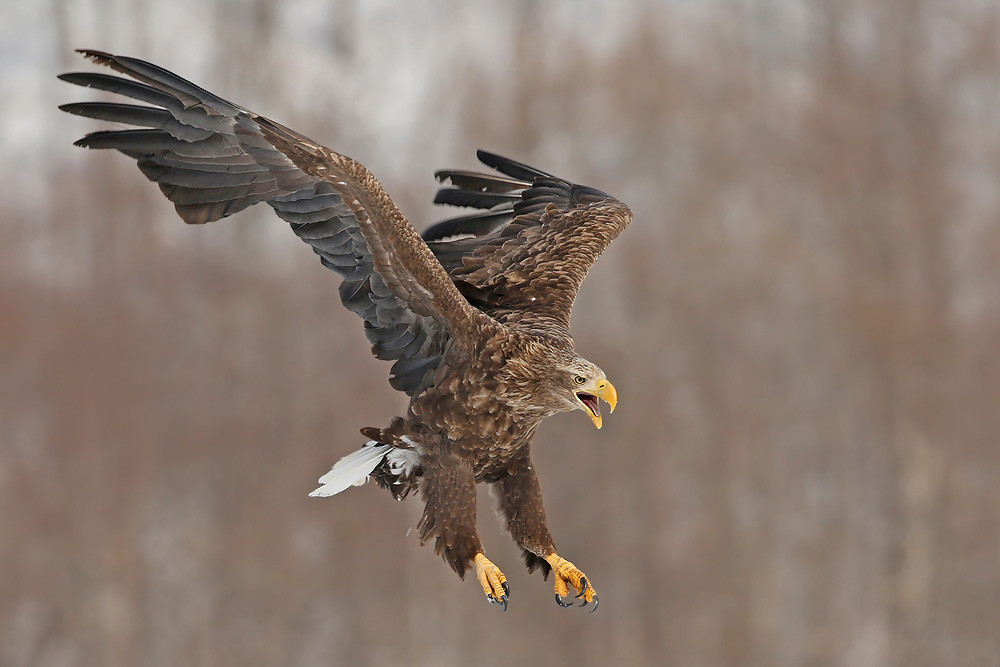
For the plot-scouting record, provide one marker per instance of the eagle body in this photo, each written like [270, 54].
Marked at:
[481, 415]
[486, 412]
[474, 314]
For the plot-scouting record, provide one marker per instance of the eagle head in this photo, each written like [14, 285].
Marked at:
[547, 378]
[584, 386]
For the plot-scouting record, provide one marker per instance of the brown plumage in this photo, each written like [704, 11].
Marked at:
[474, 315]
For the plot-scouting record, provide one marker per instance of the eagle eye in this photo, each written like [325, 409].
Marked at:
[579, 379]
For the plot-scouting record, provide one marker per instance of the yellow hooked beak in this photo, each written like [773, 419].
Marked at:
[603, 390]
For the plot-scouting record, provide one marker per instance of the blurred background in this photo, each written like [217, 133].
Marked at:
[803, 325]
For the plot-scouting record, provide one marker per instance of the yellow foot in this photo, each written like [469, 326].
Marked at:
[492, 580]
[566, 574]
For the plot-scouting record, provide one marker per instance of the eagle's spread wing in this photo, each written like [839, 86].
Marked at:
[212, 158]
[523, 258]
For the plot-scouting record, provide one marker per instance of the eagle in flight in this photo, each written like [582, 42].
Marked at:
[474, 314]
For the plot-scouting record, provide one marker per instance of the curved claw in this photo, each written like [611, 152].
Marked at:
[584, 602]
[500, 602]
[492, 580]
[569, 578]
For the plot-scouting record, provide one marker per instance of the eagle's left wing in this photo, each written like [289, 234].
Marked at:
[525, 255]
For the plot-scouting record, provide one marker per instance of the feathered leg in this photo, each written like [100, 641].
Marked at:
[520, 498]
[449, 491]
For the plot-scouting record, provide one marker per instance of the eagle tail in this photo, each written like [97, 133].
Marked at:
[353, 469]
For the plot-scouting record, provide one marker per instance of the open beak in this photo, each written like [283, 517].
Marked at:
[605, 391]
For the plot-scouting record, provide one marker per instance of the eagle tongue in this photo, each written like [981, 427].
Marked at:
[591, 402]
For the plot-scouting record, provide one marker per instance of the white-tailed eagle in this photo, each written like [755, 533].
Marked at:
[474, 315]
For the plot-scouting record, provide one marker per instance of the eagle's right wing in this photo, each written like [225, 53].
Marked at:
[212, 158]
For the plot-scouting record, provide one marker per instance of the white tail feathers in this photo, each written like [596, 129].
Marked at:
[352, 470]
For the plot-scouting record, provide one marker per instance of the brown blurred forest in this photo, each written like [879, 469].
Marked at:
[803, 324]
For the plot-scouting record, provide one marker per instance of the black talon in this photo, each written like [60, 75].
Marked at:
[583, 587]
[506, 589]
[500, 602]
[561, 603]
[595, 605]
